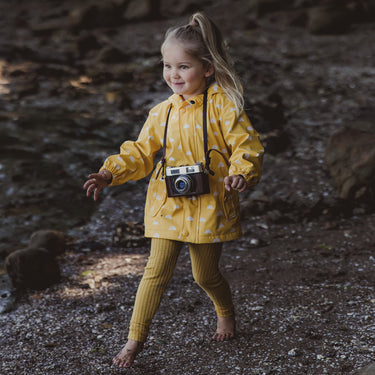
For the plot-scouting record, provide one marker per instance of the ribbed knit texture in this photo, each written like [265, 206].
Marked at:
[158, 272]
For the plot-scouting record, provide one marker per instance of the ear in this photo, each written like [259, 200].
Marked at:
[210, 70]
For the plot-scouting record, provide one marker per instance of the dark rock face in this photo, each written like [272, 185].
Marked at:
[263, 7]
[329, 19]
[91, 16]
[350, 157]
[269, 120]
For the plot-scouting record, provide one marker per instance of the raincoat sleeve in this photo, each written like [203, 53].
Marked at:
[136, 158]
[246, 151]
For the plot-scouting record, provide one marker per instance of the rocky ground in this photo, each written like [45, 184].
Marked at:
[303, 274]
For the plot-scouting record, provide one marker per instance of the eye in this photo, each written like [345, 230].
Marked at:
[167, 66]
[184, 67]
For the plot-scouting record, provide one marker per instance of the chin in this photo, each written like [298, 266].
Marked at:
[178, 89]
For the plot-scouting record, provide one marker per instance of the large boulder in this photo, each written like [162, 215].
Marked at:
[263, 7]
[51, 240]
[267, 116]
[329, 19]
[97, 15]
[114, 13]
[350, 158]
[32, 268]
[142, 9]
[36, 266]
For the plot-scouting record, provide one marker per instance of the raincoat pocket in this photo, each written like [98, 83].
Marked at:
[156, 197]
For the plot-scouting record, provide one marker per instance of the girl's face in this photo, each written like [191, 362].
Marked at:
[184, 73]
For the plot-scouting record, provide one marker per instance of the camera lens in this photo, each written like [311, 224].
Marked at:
[183, 184]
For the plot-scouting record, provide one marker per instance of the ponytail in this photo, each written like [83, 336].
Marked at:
[204, 40]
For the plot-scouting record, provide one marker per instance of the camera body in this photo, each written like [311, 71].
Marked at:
[186, 180]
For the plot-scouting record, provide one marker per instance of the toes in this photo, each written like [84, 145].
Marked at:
[222, 336]
[217, 337]
[116, 361]
[120, 363]
[127, 355]
[229, 336]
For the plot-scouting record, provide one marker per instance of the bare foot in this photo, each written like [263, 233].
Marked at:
[225, 328]
[128, 353]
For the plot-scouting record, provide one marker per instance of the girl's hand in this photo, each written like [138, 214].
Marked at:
[235, 182]
[97, 182]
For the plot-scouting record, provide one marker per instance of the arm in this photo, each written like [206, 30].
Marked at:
[135, 159]
[246, 151]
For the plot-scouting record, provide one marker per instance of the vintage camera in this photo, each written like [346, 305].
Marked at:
[186, 180]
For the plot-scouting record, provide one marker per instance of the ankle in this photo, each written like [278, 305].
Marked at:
[134, 344]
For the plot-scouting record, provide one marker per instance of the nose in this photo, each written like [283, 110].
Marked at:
[174, 73]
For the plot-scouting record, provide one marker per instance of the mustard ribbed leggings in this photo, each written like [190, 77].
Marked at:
[158, 272]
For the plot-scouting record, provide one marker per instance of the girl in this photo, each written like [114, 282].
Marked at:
[204, 114]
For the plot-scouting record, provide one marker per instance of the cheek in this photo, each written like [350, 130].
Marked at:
[188, 76]
[165, 75]
[196, 76]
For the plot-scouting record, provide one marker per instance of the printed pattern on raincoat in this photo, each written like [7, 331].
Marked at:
[207, 218]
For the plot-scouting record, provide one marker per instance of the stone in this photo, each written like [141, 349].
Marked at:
[350, 158]
[32, 268]
[329, 19]
[267, 115]
[51, 240]
[368, 370]
[110, 54]
[295, 352]
[141, 9]
[87, 42]
[303, 3]
[263, 7]
[7, 299]
[93, 16]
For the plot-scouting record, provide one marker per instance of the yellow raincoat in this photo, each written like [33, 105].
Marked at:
[207, 218]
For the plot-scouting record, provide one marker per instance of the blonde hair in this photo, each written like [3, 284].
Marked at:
[203, 40]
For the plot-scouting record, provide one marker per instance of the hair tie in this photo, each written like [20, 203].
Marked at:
[194, 23]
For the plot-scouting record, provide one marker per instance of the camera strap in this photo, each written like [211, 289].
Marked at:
[205, 141]
[162, 167]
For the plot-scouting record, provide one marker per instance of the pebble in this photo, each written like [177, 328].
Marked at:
[295, 352]
[7, 299]
[254, 242]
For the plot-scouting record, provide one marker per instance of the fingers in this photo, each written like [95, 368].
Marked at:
[94, 175]
[227, 184]
[96, 193]
[242, 187]
[91, 186]
[88, 183]
[235, 182]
